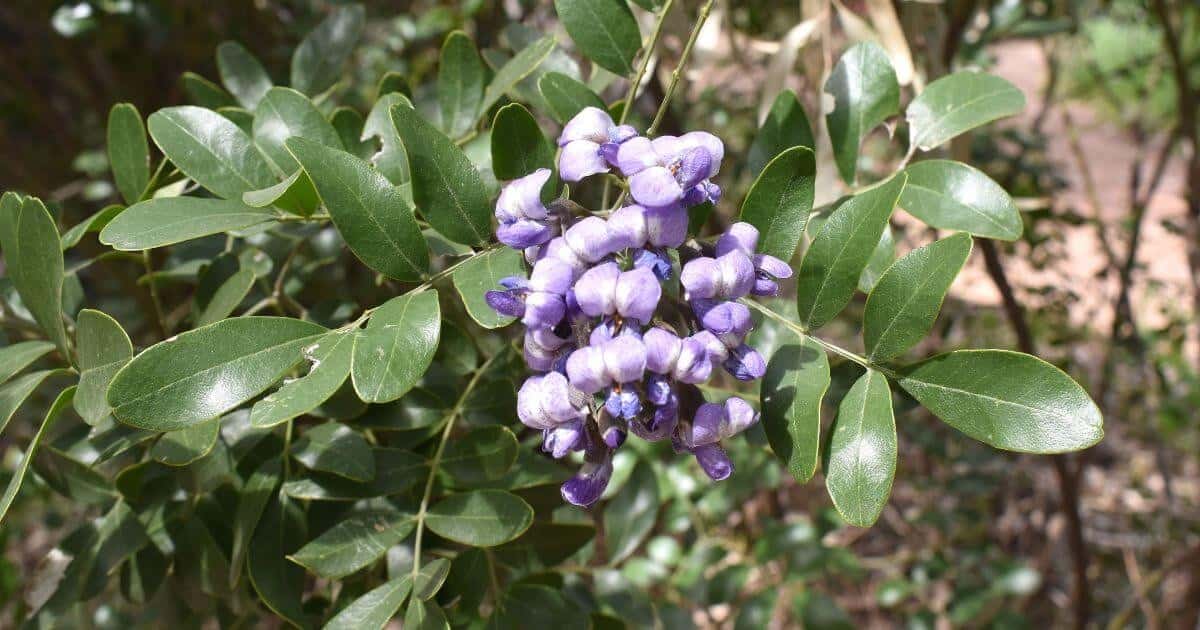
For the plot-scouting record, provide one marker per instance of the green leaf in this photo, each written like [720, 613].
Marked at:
[960, 102]
[128, 151]
[391, 160]
[629, 517]
[336, 448]
[603, 30]
[353, 543]
[395, 471]
[329, 361]
[277, 581]
[786, 126]
[252, 500]
[13, 394]
[204, 373]
[953, 196]
[547, 543]
[430, 578]
[483, 518]
[182, 447]
[93, 223]
[72, 478]
[865, 92]
[392, 81]
[528, 605]
[566, 96]
[1008, 400]
[518, 145]
[482, 273]
[862, 451]
[103, 348]
[795, 383]
[169, 220]
[296, 194]
[226, 298]
[18, 477]
[905, 302]
[34, 262]
[374, 609]
[459, 84]
[423, 615]
[520, 66]
[318, 61]
[285, 113]
[205, 93]
[829, 272]
[485, 454]
[18, 356]
[881, 258]
[780, 201]
[446, 186]
[210, 149]
[349, 125]
[369, 212]
[396, 347]
[242, 73]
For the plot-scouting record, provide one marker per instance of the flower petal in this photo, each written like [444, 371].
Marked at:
[636, 155]
[591, 123]
[579, 159]
[656, 187]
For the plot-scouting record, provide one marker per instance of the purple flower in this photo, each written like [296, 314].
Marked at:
[524, 220]
[588, 485]
[730, 322]
[605, 289]
[743, 237]
[543, 348]
[539, 302]
[718, 421]
[547, 402]
[637, 226]
[592, 368]
[589, 144]
[564, 438]
[685, 360]
[583, 244]
[713, 461]
[662, 171]
[727, 277]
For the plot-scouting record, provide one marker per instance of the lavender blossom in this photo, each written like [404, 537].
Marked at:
[743, 237]
[524, 220]
[664, 171]
[589, 144]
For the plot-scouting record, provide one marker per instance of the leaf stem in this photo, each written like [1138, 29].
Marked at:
[678, 71]
[437, 460]
[154, 297]
[828, 347]
[647, 53]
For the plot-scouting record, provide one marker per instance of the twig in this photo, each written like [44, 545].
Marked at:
[154, 298]
[679, 67]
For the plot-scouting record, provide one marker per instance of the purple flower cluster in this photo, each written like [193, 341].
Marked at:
[601, 332]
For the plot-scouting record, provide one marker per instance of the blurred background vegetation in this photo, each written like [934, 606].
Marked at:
[1104, 163]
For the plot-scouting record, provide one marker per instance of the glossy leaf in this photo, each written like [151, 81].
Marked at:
[629, 517]
[353, 543]
[206, 372]
[396, 347]
[317, 63]
[103, 349]
[950, 195]
[205, 93]
[210, 149]
[829, 272]
[603, 30]
[792, 390]
[34, 262]
[226, 298]
[295, 194]
[518, 145]
[336, 448]
[862, 451]
[865, 92]
[482, 274]
[786, 126]
[93, 223]
[780, 201]
[128, 151]
[374, 609]
[483, 518]
[169, 220]
[1008, 400]
[72, 478]
[430, 578]
[882, 258]
[960, 102]
[446, 186]
[395, 471]
[485, 454]
[13, 394]
[423, 615]
[18, 477]
[460, 84]
[285, 113]
[252, 500]
[18, 356]
[905, 302]
[391, 160]
[278, 582]
[242, 73]
[520, 66]
[566, 96]
[349, 126]
[182, 447]
[329, 366]
[369, 212]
